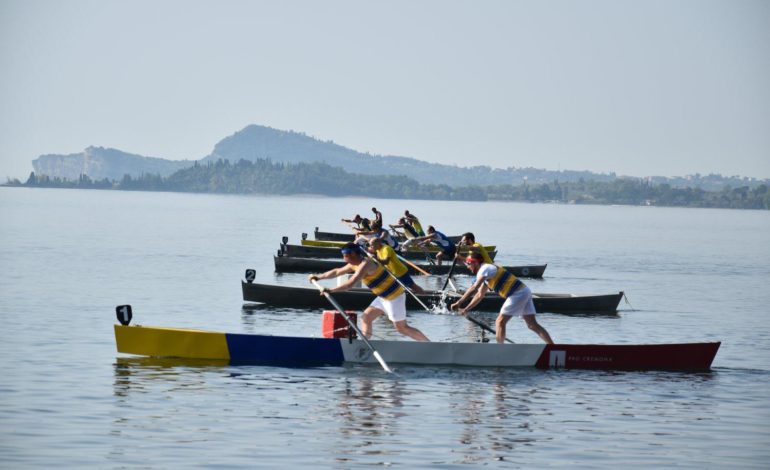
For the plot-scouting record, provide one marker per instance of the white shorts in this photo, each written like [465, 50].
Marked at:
[519, 304]
[395, 309]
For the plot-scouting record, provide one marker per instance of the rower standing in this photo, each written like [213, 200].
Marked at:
[447, 248]
[386, 238]
[469, 240]
[387, 257]
[390, 297]
[361, 223]
[377, 216]
[415, 223]
[518, 297]
[365, 236]
[410, 233]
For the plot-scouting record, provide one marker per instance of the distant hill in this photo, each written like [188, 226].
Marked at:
[256, 142]
[260, 142]
[99, 163]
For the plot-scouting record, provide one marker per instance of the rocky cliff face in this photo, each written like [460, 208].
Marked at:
[99, 163]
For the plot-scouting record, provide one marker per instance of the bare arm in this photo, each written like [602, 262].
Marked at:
[332, 273]
[424, 239]
[476, 299]
[354, 279]
[478, 285]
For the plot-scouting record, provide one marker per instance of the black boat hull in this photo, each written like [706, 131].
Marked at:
[359, 299]
[302, 251]
[290, 264]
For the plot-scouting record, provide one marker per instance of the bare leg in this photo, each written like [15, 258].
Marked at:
[500, 323]
[370, 314]
[533, 325]
[403, 327]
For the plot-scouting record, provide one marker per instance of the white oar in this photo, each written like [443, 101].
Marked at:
[353, 325]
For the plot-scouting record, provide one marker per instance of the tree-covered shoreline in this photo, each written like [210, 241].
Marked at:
[265, 177]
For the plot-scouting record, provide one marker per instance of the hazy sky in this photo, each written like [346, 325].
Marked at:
[637, 87]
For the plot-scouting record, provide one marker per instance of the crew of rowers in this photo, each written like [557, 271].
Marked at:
[376, 263]
[367, 229]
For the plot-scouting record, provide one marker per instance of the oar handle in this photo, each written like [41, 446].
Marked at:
[352, 324]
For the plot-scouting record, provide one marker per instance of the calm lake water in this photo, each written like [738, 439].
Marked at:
[67, 398]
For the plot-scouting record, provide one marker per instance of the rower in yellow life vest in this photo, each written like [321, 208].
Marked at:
[469, 240]
[409, 231]
[518, 297]
[390, 297]
[415, 223]
[387, 256]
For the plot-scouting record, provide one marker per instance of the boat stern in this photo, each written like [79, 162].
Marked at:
[171, 342]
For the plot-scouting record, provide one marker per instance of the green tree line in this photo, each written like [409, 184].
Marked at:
[265, 177]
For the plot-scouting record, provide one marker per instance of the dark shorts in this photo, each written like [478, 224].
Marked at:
[406, 279]
[450, 252]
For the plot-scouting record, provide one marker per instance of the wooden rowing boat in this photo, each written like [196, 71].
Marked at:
[430, 249]
[349, 237]
[305, 351]
[319, 265]
[301, 251]
[360, 298]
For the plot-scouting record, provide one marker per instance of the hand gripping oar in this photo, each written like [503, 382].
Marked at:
[483, 325]
[353, 325]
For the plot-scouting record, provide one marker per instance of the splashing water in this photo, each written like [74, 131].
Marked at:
[441, 307]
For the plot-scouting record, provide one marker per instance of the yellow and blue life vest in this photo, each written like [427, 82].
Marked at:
[387, 256]
[382, 284]
[480, 248]
[503, 282]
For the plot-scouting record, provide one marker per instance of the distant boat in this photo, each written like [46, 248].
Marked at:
[349, 237]
[360, 298]
[430, 249]
[316, 265]
[301, 251]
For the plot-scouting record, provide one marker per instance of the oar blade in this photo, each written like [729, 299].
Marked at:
[382, 362]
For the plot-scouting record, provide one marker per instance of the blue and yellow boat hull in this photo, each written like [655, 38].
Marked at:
[230, 347]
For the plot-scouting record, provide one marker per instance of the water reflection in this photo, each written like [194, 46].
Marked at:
[134, 374]
[495, 418]
[148, 403]
[369, 410]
